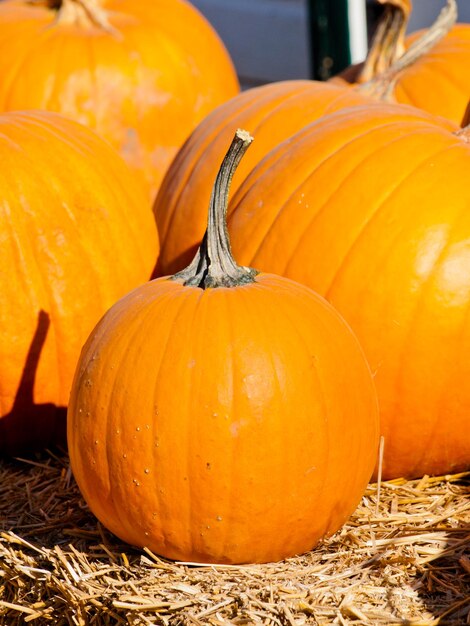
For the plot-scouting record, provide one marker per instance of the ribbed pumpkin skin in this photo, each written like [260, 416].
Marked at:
[440, 81]
[76, 235]
[204, 431]
[144, 88]
[272, 113]
[370, 207]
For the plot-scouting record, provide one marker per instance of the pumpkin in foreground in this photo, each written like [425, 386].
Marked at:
[142, 73]
[222, 415]
[77, 234]
[374, 215]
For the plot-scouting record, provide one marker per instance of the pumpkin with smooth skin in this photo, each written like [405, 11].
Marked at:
[208, 431]
[437, 80]
[370, 207]
[143, 73]
[273, 113]
[77, 233]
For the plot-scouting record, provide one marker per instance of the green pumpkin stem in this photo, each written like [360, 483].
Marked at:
[214, 265]
[382, 85]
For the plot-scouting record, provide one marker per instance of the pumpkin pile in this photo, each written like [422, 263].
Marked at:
[435, 74]
[142, 73]
[217, 412]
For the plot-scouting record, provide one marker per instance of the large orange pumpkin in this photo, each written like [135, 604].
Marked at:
[142, 73]
[370, 207]
[76, 233]
[206, 431]
[436, 77]
[273, 113]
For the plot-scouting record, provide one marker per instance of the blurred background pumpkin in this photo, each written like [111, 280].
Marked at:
[142, 73]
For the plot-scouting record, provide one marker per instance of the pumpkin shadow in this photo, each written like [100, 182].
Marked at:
[430, 571]
[178, 264]
[31, 427]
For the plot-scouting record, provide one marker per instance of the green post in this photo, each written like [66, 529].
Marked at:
[329, 28]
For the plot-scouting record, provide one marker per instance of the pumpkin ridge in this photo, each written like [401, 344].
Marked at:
[282, 307]
[281, 103]
[275, 157]
[192, 438]
[92, 65]
[37, 302]
[414, 321]
[194, 300]
[305, 232]
[450, 79]
[116, 190]
[15, 75]
[43, 257]
[56, 88]
[391, 191]
[196, 162]
[146, 313]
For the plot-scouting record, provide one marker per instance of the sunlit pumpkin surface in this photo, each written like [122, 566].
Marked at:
[76, 235]
[370, 207]
[143, 78]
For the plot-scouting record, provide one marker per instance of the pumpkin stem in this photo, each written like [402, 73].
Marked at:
[382, 85]
[388, 43]
[85, 13]
[214, 265]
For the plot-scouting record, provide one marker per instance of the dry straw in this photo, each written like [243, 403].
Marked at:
[403, 558]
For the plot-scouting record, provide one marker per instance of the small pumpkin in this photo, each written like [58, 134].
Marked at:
[273, 112]
[77, 233]
[142, 73]
[369, 207]
[436, 77]
[207, 431]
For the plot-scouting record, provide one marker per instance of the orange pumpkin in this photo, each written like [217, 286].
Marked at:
[273, 112]
[77, 233]
[142, 73]
[436, 76]
[204, 430]
[370, 207]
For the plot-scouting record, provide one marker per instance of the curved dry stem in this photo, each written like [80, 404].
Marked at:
[382, 86]
[388, 43]
[85, 13]
[214, 265]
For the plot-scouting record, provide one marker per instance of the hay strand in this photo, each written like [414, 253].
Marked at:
[402, 558]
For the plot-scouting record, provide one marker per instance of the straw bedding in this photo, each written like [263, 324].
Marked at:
[403, 558]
